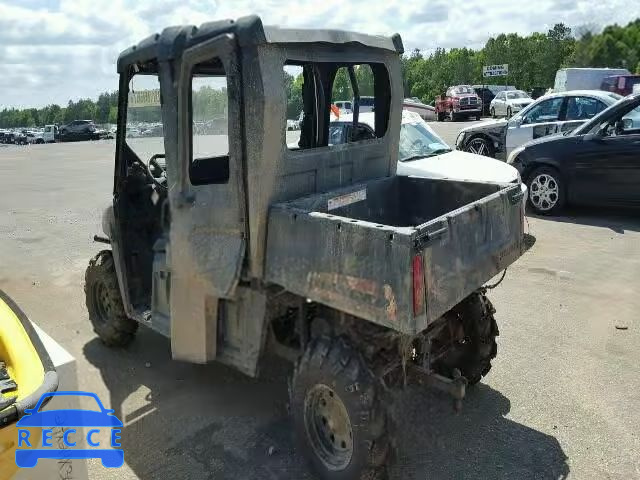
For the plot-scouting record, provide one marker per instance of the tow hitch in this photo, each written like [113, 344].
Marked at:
[455, 387]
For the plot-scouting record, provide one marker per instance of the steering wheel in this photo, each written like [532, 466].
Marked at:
[153, 162]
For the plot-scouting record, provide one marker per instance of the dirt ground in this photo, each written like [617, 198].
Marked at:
[560, 402]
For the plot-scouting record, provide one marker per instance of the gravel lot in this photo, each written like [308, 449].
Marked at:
[561, 401]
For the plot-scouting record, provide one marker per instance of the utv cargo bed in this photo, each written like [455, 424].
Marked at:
[398, 251]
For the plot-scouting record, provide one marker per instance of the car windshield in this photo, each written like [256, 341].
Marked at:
[418, 141]
[516, 94]
[463, 89]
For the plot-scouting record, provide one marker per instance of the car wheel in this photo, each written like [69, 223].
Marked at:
[104, 303]
[509, 112]
[339, 417]
[480, 146]
[493, 112]
[546, 191]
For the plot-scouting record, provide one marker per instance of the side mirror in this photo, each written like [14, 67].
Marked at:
[516, 122]
[593, 137]
[627, 124]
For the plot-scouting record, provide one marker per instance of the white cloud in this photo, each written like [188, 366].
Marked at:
[55, 50]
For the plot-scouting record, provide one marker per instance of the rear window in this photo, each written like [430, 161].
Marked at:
[366, 86]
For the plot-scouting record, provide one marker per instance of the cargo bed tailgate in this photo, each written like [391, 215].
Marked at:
[465, 248]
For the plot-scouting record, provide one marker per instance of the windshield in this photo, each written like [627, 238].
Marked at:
[418, 141]
[463, 89]
[516, 94]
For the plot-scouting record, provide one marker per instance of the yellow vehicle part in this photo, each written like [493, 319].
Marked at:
[26, 368]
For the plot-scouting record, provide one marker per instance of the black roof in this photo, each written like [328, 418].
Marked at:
[248, 31]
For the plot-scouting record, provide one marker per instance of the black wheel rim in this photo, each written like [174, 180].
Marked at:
[101, 302]
[328, 427]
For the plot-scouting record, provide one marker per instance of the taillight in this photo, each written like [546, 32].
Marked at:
[418, 285]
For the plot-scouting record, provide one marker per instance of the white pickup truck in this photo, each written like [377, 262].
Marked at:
[50, 133]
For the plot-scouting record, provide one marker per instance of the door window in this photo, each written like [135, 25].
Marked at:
[209, 124]
[546, 111]
[143, 115]
[583, 108]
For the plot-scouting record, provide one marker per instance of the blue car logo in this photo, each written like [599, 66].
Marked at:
[68, 418]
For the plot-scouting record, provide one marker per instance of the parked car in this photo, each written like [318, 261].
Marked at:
[9, 137]
[20, 138]
[413, 104]
[620, 84]
[78, 130]
[509, 102]
[423, 153]
[596, 164]
[459, 102]
[153, 131]
[554, 113]
[583, 78]
[34, 136]
[488, 93]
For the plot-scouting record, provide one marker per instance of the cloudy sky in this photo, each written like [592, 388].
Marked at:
[55, 50]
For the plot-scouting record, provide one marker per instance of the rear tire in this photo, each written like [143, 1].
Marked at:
[339, 419]
[473, 357]
[104, 302]
[441, 116]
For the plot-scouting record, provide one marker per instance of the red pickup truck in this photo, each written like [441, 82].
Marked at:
[459, 102]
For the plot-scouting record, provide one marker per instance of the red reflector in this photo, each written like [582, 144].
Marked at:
[418, 285]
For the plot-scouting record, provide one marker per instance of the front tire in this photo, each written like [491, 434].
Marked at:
[441, 116]
[493, 112]
[546, 191]
[480, 146]
[339, 418]
[509, 112]
[104, 303]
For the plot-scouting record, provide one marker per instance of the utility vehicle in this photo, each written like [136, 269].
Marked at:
[232, 243]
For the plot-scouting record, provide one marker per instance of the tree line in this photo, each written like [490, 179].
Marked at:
[533, 61]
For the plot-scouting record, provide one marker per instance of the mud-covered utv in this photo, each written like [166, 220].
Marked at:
[233, 238]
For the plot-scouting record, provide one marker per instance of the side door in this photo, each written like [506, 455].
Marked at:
[606, 167]
[539, 120]
[207, 238]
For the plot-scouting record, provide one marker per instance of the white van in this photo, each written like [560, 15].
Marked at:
[584, 78]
